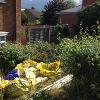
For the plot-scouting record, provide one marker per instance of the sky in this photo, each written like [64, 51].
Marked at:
[38, 4]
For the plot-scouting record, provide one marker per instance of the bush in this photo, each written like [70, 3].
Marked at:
[82, 59]
[89, 17]
[44, 51]
[12, 54]
[41, 95]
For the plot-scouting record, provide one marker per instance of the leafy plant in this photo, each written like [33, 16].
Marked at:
[12, 54]
[44, 51]
[90, 18]
[82, 59]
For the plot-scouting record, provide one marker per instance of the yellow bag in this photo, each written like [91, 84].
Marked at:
[49, 70]
[19, 88]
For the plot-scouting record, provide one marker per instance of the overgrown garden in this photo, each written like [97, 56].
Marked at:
[78, 56]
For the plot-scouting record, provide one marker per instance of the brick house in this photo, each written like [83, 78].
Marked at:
[88, 2]
[10, 18]
[70, 16]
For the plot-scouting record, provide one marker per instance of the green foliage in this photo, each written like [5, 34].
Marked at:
[41, 95]
[82, 59]
[24, 18]
[44, 51]
[12, 54]
[49, 16]
[61, 31]
[90, 17]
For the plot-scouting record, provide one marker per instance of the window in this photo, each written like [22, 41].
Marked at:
[3, 36]
[2, 39]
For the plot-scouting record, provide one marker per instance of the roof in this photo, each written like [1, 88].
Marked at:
[35, 13]
[71, 10]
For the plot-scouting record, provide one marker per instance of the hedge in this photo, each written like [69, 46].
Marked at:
[82, 59]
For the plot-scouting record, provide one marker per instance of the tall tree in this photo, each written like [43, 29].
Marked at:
[49, 16]
[24, 18]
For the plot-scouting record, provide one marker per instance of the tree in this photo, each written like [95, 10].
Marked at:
[49, 16]
[24, 18]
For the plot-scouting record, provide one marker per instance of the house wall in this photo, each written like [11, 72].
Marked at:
[10, 18]
[68, 18]
[72, 18]
[1, 17]
[88, 2]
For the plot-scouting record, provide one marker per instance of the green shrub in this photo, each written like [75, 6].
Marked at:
[89, 18]
[82, 59]
[12, 54]
[41, 95]
[44, 51]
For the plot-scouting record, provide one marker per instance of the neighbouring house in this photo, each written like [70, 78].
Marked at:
[10, 19]
[88, 2]
[69, 16]
[33, 16]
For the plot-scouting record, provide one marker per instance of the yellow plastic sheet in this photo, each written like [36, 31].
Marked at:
[29, 71]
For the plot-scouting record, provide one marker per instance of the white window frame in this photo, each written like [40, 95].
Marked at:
[3, 34]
